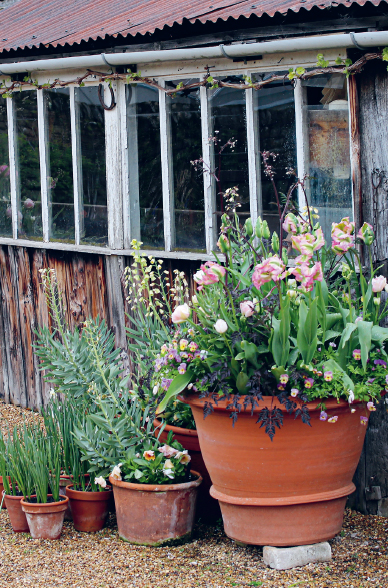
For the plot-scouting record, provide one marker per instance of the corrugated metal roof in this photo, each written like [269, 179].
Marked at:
[30, 23]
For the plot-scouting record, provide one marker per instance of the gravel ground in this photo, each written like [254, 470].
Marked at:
[211, 560]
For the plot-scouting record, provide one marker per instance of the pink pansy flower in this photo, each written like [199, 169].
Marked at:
[332, 419]
[183, 457]
[270, 269]
[183, 343]
[167, 450]
[323, 416]
[247, 308]
[209, 273]
[328, 376]
[378, 283]
[149, 455]
[357, 354]
[363, 420]
[294, 392]
[371, 407]
[284, 378]
[308, 383]
[306, 244]
[193, 346]
[308, 275]
[180, 314]
[366, 234]
[182, 368]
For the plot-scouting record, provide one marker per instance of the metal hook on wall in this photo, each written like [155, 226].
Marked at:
[101, 98]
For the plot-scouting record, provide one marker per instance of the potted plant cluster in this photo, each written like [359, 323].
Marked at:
[290, 343]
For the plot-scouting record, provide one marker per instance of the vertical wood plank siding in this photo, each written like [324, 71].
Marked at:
[92, 285]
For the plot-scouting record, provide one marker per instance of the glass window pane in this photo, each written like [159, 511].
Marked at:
[60, 170]
[329, 185]
[228, 121]
[145, 172]
[28, 165]
[5, 190]
[274, 107]
[184, 110]
[91, 128]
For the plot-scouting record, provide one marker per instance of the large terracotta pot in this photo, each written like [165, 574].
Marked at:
[291, 491]
[45, 519]
[89, 509]
[154, 515]
[16, 515]
[208, 509]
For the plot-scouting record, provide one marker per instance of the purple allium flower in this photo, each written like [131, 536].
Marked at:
[323, 416]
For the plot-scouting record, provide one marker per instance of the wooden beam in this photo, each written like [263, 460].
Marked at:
[13, 176]
[43, 159]
[355, 150]
[208, 179]
[77, 166]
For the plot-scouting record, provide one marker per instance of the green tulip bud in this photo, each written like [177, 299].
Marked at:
[377, 301]
[259, 228]
[225, 221]
[223, 243]
[275, 242]
[266, 231]
[284, 256]
[248, 227]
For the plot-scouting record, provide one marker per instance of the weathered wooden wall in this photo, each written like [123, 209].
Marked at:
[372, 474]
[91, 284]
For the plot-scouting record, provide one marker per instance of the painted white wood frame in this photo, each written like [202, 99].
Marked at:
[44, 171]
[208, 179]
[77, 166]
[13, 176]
[167, 171]
[122, 155]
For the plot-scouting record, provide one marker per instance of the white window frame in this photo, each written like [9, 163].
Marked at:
[123, 213]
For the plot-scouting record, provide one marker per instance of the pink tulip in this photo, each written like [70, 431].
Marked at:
[291, 224]
[308, 275]
[366, 234]
[378, 284]
[4, 169]
[209, 273]
[180, 314]
[270, 269]
[247, 308]
[342, 235]
[28, 203]
[306, 244]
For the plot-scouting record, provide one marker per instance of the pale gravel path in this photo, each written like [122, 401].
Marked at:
[211, 560]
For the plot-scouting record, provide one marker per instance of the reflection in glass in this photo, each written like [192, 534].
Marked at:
[145, 172]
[91, 128]
[329, 155]
[228, 121]
[5, 190]
[60, 171]
[275, 113]
[28, 165]
[184, 110]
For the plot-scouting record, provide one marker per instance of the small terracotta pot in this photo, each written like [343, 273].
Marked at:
[65, 481]
[16, 515]
[149, 514]
[1, 491]
[289, 491]
[208, 509]
[90, 509]
[45, 519]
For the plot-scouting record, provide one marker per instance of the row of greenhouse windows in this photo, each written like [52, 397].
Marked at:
[83, 219]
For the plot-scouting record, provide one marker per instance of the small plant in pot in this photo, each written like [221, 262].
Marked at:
[44, 510]
[89, 496]
[17, 480]
[292, 344]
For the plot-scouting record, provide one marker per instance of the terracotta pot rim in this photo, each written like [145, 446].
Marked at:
[283, 500]
[88, 496]
[12, 497]
[158, 487]
[44, 507]
[330, 403]
[177, 430]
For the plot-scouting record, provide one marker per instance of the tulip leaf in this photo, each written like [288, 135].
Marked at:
[346, 334]
[251, 351]
[331, 365]
[365, 338]
[179, 383]
[280, 340]
[379, 334]
[307, 330]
